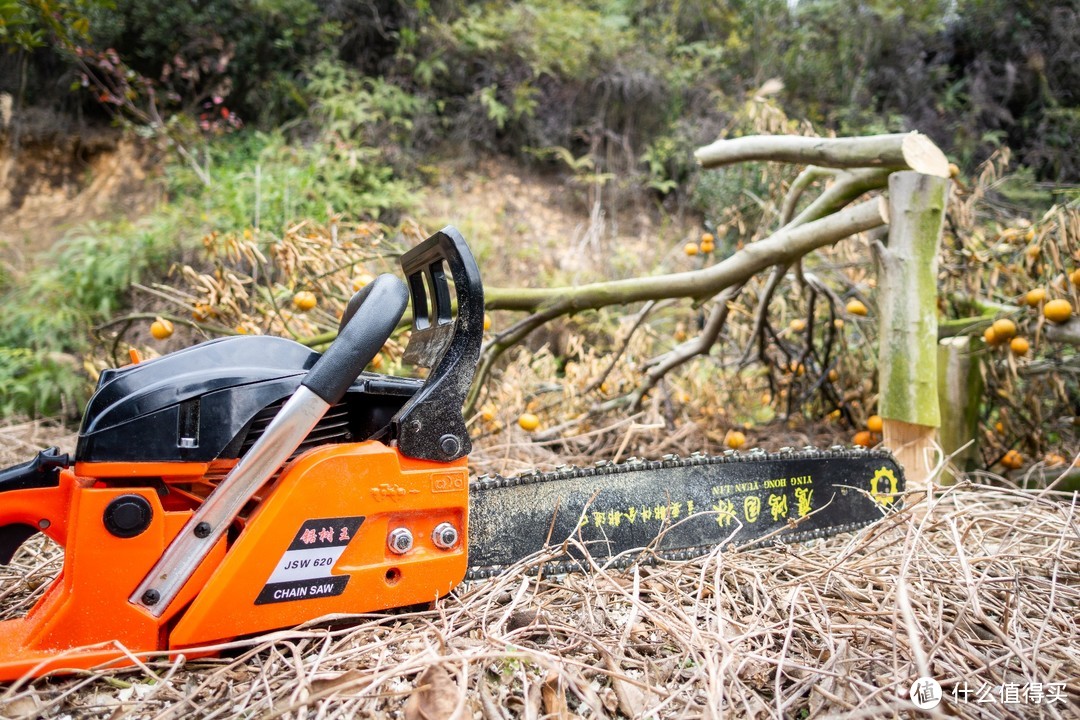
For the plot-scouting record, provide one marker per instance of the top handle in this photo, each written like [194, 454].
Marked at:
[430, 426]
[359, 340]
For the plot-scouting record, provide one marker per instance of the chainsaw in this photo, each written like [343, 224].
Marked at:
[249, 483]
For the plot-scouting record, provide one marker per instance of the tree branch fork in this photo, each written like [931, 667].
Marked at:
[853, 167]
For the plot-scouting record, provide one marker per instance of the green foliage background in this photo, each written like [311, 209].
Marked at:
[286, 109]
[614, 78]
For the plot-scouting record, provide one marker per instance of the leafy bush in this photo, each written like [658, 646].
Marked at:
[84, 282]
[252, 52]
[51, 311]
[259, 180]
[35, 384]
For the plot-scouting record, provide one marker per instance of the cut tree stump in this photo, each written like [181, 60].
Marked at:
[916, 449]
[907, 307]
[960, 386]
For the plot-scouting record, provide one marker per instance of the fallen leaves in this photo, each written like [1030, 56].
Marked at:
[437, 696]
[554, 698]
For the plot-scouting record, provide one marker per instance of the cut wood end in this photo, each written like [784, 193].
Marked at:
[883, 207]
[922, 155]
[702, 152]
[915, 448]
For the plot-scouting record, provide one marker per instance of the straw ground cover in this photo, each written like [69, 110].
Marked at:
[977, 587]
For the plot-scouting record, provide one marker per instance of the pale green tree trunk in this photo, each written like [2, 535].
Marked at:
[907, 350]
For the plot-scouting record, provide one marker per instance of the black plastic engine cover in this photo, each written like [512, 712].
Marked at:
[191, 404]
[196, 405]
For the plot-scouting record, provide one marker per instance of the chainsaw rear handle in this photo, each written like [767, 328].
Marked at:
[30, 501]
[360, 338]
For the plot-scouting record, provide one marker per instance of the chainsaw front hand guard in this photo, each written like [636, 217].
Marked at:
[430, 426]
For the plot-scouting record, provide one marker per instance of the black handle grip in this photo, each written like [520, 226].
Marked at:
[41, 472]
[360, 339]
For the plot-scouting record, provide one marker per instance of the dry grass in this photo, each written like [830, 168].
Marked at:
[977, 586]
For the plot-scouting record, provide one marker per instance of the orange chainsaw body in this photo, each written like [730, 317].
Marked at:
[84, 618]
[366, 510]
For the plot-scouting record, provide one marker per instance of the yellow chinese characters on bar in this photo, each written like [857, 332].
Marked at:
[778, 498]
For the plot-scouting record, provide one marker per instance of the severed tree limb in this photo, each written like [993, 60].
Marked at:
[848, 187]
[903, 151]
[757, 334]
[808, 358]
[784, 246]
[1068, 332]
[794, 194]
[798, 187]
[1070, 365]
[833, 301]
[825, 361]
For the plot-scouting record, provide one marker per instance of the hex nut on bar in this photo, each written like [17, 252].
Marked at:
[400, 541]
[445, 536]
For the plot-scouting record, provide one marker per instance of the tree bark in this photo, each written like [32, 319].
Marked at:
[1068, 332]
[903, 151]
[959, 389]
[848, 186]
[907, 307]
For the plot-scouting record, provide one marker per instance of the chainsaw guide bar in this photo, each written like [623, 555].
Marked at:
[676, 508]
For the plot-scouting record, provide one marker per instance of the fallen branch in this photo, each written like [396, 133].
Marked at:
[761, 317]
[1065, 333]
[783, 246]
[805, 179]
[661, 366]
[848, 186]
[903, 151]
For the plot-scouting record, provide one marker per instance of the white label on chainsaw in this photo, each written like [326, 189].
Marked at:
[304, 569]
[305, 564]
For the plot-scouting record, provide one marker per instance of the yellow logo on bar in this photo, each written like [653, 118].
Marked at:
[884, 497]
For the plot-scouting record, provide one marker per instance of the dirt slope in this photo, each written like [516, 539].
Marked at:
[51, 180]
